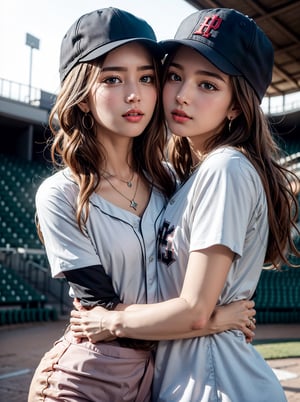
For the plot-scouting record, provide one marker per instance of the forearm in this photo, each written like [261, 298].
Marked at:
[143, 326]
[235, 315]
[154, 322]
[188, 315]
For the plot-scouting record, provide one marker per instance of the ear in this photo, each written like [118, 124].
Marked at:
[233, 112]
[83, 106]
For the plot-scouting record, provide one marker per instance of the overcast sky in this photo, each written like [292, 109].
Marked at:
[48, 20]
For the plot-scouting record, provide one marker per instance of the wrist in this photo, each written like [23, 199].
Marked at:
[112, 322]
[217, 323]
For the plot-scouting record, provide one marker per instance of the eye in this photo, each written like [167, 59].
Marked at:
[208, 86]
[111, 80]
[173, 76]
[148, 79]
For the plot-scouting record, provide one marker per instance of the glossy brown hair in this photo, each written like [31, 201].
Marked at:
[76, 147]
[250, 134]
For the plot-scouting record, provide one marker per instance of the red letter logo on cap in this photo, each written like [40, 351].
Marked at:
[209, 23]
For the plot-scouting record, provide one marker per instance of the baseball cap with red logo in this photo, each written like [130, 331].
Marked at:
[96, 33]
[231, 41]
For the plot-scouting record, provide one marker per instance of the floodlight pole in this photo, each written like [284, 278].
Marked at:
[30, 75]
[33, 43]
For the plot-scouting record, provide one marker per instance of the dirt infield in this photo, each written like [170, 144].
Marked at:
[23, 345]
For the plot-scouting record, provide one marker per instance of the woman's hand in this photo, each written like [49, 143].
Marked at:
[237, 315]
[87, 324]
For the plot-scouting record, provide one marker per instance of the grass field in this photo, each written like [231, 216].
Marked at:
[278, 350]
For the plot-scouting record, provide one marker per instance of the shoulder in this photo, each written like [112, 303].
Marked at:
[230, 161]
[228, 170]
[223, 157]
[59, 185]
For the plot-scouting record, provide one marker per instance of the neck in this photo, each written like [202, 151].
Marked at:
[119, 158]
[118, 169]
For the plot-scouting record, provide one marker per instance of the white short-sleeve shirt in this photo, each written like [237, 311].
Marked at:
[223, 202]
[123, 243]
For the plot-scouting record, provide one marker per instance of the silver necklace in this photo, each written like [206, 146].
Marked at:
[128, 182]
[132, 203]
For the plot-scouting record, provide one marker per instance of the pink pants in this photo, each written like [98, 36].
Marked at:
[86, 372]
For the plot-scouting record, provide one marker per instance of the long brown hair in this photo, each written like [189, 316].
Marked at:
[76, 147]
[250, 133]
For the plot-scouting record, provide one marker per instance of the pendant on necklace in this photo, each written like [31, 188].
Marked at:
[129, 183]
[133, 204]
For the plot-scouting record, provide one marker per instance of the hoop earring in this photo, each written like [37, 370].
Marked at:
[87, 121]
[230, 124]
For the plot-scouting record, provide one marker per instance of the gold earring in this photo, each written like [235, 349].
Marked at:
[87, 121]
[230, 123]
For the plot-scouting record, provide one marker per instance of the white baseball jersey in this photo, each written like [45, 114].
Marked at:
[123, 243]
[223, 202]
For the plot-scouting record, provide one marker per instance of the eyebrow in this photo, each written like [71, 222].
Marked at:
[202, 72]
[118, 68]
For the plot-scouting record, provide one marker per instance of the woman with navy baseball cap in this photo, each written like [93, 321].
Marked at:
[234, 212]
[98, 216]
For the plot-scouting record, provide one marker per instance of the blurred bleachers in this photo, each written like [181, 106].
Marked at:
[25, 281]
[20, 302]
[19, 180]
[277, 296]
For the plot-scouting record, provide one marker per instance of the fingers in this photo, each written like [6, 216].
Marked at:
[77, 304]
[76, 324]
[250, 304]
[249, 327]
[251, 313]
[249, 339]
[251, 323]
[75, 313]
[249, 334]
[76, 329]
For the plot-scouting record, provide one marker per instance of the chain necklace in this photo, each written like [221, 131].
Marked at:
[132, 203]
[128, 182]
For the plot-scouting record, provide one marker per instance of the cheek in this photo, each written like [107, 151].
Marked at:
[150, 97]
[103, 103]
[168, 95]
[104, 97]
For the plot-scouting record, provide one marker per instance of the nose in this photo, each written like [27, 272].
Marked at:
[181, 99]
[132, 97]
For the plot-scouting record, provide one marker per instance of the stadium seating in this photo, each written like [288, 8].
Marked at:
[277, 298]
[277, 295]
[19, 179]
[18, 183]
[20, 302]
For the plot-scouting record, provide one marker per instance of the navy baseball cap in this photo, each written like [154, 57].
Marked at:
[231, 41]
[100, 31]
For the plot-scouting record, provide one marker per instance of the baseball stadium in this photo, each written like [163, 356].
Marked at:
[30, 298]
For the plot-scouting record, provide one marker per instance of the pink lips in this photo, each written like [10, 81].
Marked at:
[179, 116]
[133, 115]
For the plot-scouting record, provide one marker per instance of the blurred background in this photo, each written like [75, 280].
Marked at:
[30, 35]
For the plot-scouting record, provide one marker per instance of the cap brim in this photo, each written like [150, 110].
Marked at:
[155, 47]
[216, 58]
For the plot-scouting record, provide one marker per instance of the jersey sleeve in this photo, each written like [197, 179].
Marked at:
[223, 201]
[66, 246]
[93, 287]
[70, 252]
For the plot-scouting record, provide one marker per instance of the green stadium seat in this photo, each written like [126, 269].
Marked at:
[277, 298]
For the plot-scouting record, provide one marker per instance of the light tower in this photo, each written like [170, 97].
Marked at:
[33, 43]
